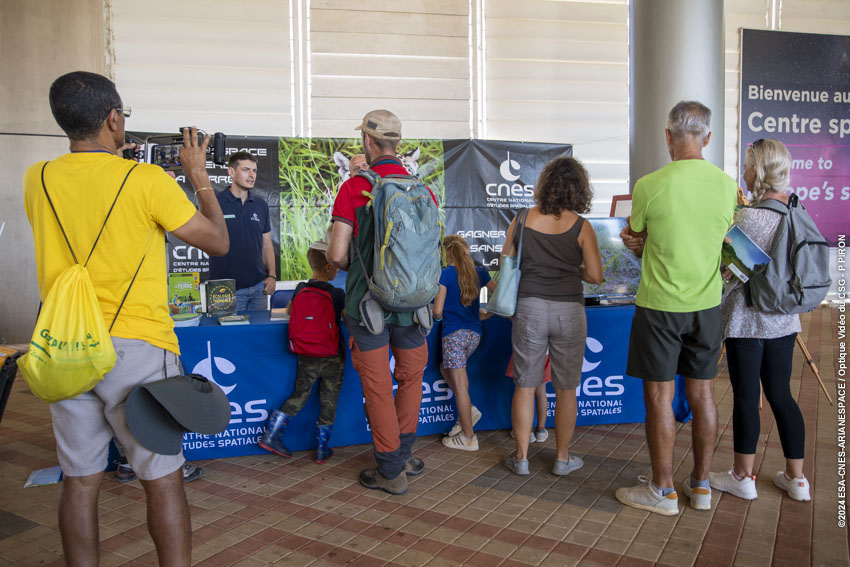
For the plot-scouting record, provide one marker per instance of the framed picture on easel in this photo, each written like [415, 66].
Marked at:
[621, 206]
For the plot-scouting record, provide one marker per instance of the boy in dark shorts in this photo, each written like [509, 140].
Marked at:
[314, 334]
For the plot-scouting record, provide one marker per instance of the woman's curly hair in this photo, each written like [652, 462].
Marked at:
[563, 185]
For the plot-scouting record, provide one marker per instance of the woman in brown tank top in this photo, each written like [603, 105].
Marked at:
[559, 251]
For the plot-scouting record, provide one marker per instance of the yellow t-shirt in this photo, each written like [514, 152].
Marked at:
[82, 187]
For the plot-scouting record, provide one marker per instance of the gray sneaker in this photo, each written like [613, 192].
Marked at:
[192, 472]
[516, 466]
[372, 478]
[563, 468]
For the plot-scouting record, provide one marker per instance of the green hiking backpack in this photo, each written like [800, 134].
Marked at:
[405, 275]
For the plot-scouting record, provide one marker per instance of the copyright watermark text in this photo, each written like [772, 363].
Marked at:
[841, 385]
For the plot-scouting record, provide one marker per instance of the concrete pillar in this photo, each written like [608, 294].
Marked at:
[675, 53]
[40, 41]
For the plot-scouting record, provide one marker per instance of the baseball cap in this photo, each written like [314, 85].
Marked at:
[158, 413]
[382, 125]
[322, 244]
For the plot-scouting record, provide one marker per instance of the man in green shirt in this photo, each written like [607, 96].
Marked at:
[680, 216]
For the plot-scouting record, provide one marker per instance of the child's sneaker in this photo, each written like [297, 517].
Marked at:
[541, 435]
[726, 482]
[797, 488]
[700, 497]
[461, 442]
[533, 438]
[457, 428]
[645, 497]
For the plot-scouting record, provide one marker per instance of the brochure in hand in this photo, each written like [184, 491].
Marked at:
[741, 255]
[221, 297]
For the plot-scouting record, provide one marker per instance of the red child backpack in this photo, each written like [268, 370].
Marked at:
[313, 328]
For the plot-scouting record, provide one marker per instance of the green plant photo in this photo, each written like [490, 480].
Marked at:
[311, 172]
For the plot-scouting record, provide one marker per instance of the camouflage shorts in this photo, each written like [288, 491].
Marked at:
[329, 370]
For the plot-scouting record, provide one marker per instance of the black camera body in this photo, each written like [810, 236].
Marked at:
[164, 149]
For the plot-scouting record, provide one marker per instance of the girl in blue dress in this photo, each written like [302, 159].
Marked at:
[457, 305]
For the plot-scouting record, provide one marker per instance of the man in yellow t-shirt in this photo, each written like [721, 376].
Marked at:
[680, 216]
[82, 186]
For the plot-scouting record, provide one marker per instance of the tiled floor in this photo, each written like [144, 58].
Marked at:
[466, 509]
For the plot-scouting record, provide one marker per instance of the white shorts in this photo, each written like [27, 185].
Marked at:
[83, 426]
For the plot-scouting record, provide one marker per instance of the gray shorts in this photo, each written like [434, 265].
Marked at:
[559, 326]
[83, 426]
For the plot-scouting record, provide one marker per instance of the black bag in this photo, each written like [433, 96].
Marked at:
[7, 375]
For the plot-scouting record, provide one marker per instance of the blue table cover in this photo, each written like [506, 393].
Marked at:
[254, 367]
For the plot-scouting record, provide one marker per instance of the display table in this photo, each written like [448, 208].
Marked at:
[254, 367]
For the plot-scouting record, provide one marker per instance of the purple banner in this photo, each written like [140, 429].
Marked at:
[795, 88]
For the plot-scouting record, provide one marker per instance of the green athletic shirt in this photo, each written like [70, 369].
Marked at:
[686, 207]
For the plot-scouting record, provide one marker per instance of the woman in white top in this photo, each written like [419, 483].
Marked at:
[761, 345]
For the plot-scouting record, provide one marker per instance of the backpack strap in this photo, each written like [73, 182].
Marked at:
[776, 206]
[97, 239]
[61, 228]
[521, 217]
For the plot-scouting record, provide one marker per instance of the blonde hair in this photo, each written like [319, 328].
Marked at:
[457, 255]
[772, 165]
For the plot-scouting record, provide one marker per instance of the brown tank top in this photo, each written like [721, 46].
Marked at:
[551, 264]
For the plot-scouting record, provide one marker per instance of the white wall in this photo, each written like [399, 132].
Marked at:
[39, 41]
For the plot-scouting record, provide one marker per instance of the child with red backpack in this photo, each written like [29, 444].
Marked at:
[314, 335]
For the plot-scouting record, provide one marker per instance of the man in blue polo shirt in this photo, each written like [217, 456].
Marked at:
[251, 258]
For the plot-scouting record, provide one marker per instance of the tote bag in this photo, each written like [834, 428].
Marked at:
[503, 301]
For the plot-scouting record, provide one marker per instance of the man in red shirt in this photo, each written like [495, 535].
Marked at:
[393, 420]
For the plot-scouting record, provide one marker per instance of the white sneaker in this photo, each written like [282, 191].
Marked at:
[541, 435]
[457, 428]
[797, 488]
[533, 438]
[461, 442]
[726, 482]
[700, 497]
[645, 497]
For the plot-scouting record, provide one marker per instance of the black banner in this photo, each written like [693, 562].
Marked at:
[487, 182]
[185, 258]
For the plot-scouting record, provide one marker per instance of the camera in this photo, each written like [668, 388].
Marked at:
[164, 149]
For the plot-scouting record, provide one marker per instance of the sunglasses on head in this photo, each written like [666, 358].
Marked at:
[757, 143]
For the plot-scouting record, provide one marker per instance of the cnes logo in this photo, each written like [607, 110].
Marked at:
[595, 385]
[505, 169]
[509, 188]
[253, 410]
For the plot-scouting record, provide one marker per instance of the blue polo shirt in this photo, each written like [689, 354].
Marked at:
[246, 225]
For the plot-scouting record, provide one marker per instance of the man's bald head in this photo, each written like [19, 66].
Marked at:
[357, 164]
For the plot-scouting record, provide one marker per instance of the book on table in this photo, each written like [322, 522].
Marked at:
[221, 297]
[184, 293]
[234, 320]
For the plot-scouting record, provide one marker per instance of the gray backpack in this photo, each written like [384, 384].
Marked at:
[405, 275]
[797, 278]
